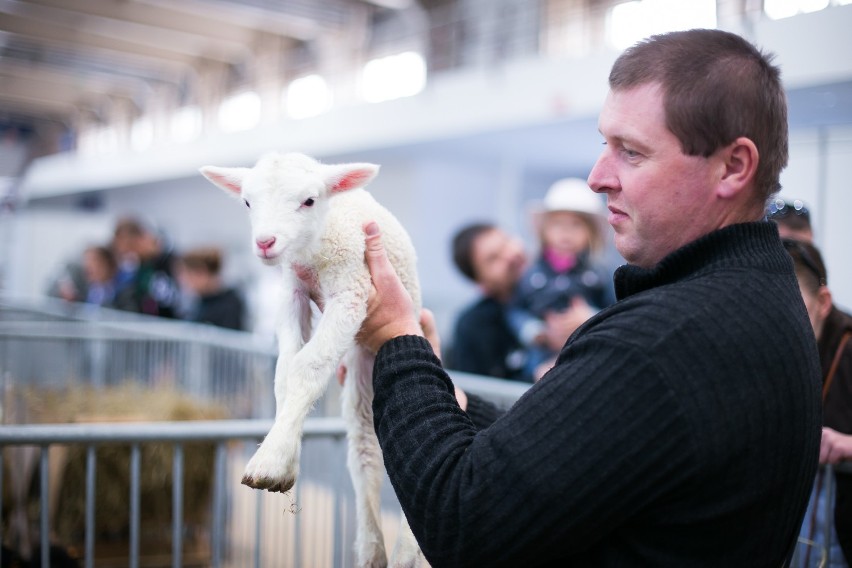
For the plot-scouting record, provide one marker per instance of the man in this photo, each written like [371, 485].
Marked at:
[483, 342]
[674, 430]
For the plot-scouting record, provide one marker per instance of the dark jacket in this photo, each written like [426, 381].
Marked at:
[483, 343]
[837, 413]
[673, 431]
[222, 309]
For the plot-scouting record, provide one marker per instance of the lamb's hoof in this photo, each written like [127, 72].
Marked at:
[268, 483]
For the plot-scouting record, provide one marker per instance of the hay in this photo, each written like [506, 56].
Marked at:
[112, 500]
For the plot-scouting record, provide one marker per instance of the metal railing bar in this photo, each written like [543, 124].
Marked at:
[340, 479]
[258, 520]
[2, 465]
[91, 474]
[218, 505]
[177, 506]
[135, 453]
[44, 507]
[135, 432]
[297, 523]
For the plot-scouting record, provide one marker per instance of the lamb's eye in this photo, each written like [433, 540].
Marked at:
[309, 202]
[247, 203]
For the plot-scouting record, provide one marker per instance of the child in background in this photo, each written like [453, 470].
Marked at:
[567, 284]
[199, 273]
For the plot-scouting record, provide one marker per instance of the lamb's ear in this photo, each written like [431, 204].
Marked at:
[229, 179]
[343, 177]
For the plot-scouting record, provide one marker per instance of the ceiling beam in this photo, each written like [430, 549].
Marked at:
[241, 16]
[199, 32]
[56, 78]
[74, 31]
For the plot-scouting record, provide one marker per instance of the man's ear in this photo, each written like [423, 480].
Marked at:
[824, 302]
[739, 162]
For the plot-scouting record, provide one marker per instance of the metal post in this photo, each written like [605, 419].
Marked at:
[177, 506]
[258, 520]
[134, 505]
[45, 509]
[218, 505]
[338, 447]
[90, 506]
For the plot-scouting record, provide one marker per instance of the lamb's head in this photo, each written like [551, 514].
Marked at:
[287, 196]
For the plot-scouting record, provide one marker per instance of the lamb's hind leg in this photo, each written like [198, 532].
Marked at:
[406, 552]
[364, 458]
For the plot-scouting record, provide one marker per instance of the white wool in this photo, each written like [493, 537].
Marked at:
[308, 218]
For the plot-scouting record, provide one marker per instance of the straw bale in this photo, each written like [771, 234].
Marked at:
[112, 501]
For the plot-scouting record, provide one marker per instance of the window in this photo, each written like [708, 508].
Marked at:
[240, 112]
[392, 77]
[629, 22]
[308, 96]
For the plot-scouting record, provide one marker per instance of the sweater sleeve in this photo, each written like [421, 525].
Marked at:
[581, 451]
[481, 412]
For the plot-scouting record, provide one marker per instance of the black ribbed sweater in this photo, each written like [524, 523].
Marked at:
[680, 427]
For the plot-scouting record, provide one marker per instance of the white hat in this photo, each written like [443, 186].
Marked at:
[573, 194]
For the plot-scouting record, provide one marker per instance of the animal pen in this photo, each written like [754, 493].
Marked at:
[125, 437]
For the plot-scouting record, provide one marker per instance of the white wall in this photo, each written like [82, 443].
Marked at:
[819, 172]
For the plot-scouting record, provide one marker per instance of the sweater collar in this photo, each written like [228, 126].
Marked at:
[744, 245]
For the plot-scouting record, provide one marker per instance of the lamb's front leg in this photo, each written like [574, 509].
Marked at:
[270, 468]
[276, 463]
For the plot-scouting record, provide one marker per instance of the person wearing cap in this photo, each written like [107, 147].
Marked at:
[792, 218]
[567, 284]
[675, 428]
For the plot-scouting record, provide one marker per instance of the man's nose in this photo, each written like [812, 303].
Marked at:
[601, 179]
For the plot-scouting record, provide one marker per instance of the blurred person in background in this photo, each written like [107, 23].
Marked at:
[568, 283]
[146, 267]
[792, 217]
[101, 270]
[483, 342]
[199, 271]
[833, 330]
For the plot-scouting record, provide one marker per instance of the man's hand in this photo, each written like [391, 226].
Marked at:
[390, 311]
[835, 447]
[560, 325]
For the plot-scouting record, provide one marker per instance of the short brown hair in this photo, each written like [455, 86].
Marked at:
[463, 243]
[207, 259]
[716, 87]
[808, 263]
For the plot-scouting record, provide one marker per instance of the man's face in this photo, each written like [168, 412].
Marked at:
[498, 262]
[658, 198]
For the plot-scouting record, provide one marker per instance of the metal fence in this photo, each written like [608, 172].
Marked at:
[192, 468]
[49, 348]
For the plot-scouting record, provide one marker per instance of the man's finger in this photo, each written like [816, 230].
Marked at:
[375, 253]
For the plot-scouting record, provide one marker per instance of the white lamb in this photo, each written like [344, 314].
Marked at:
[308, 218]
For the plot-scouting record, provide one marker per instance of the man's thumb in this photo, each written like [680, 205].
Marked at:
[374, 250]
